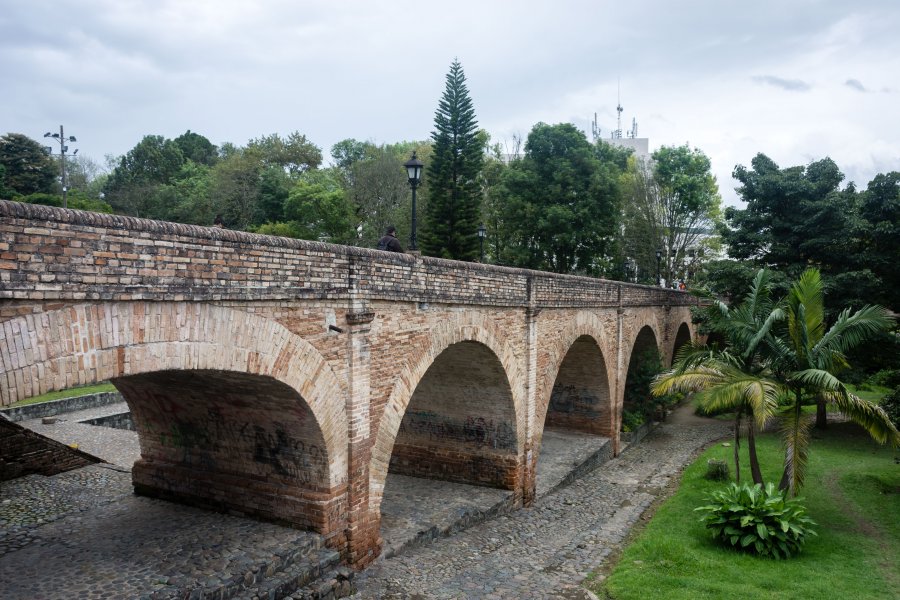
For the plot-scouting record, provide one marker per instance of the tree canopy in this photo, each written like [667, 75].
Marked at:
[27, 167]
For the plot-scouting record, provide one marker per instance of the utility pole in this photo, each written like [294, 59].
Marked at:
[61, 138]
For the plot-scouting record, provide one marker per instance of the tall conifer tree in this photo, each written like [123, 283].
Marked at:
[452, 216]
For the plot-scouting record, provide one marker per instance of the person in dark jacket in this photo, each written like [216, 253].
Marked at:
[389, 241]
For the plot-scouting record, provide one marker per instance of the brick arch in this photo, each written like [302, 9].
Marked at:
[641, 320]
[461, 327]
[87, 343]
[585, 324]
[683, 335]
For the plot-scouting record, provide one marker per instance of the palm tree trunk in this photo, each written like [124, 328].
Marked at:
[821, 414]
[751, 449]
[737, 445]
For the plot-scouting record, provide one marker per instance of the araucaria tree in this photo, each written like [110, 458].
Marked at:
[452, 216]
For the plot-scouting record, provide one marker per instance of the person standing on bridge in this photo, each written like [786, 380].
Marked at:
[389, 240]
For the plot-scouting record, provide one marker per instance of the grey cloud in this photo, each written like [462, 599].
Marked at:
[791, 85]
[856, 85]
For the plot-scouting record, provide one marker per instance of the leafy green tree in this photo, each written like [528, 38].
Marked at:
[562, 203]
[805, 358]
[295, 153]
[234, 186]
[316, 209]
[453, 211]
[28, 168]
[135, 185]
[197, 148]
[880, 230]
[671, 203]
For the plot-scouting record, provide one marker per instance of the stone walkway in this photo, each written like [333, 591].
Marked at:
[547, 550]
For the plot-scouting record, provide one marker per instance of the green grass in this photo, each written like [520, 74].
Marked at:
[69, 393]
[852, 491]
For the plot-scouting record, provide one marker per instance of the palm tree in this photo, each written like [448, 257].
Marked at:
[733, 378]
[804, 359]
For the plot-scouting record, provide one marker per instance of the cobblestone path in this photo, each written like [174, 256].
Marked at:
[547, 550]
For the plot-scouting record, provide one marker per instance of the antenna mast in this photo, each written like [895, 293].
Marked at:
[617, 134]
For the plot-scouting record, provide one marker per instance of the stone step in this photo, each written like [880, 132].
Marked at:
[319, 575]
[270, 578]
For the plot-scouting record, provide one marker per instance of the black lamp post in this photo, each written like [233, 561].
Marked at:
[62, 139]
[482, 232]
[414, 172]
[658, 266]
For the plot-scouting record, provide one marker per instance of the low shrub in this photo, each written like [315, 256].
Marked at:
[886, 377]
[891, 405]
[631, 420]
[717, 470]
[757, 519]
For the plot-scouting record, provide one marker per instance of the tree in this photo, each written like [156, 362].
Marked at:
[880, 230]
[28, 168]
[805, 358]
[797, 358]
[452, 215]
[134, 186]
[672, 204]
[197, 148]
[735, 377]
[295, 153]
[561, 203]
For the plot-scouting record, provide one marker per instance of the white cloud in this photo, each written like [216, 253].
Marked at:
[732, 79]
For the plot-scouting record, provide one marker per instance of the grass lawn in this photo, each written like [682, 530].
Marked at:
[69, 393]
[852, 492]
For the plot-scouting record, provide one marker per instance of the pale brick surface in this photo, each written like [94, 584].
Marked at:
[285, 378]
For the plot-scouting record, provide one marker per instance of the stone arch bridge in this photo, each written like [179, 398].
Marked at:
[284, 378]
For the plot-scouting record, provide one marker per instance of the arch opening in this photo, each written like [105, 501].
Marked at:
[682, 338]
[580, 398]
[232, 441]
[460, 423]
[645, 362]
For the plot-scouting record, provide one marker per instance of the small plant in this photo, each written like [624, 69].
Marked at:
[631, 421]
[757, 519]
[717, 470]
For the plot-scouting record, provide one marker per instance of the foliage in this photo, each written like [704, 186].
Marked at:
[638, 400]
[672, 204]
[317, 209]
[800, 216]
[717, 470]
[891, 406]
[27, 167]
[75, 200]
[757, 519]
[452, 214]
[295, 154]
[855, 554]
[804, 358]
[561, 204]
[196, 148]
[632, 420]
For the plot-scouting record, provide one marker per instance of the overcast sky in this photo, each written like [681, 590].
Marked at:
[795, 79]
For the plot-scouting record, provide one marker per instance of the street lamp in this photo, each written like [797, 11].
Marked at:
[482, 232]
[658, 266]
[62, 139]
[414, 173]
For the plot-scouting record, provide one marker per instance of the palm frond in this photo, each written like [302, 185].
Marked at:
[867, 415]
[795, 426]
[850, 330]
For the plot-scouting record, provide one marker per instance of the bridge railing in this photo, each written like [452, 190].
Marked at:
[50, 253]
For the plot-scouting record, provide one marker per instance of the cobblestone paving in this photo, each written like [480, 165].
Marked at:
[546, 551]
[136, 546]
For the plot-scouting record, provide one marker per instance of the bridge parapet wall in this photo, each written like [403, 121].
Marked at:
[55, 254]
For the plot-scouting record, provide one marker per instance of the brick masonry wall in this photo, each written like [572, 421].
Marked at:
[24, 452]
